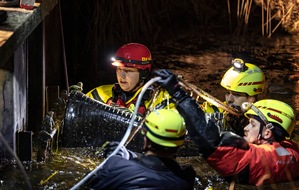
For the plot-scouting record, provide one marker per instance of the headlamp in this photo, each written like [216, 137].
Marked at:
[131, 61]
[117, 64]
[121, 62]
[247, 105]
[239, 65]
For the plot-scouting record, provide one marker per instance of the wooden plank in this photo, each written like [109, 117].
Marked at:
[19, 25]
[4, 35]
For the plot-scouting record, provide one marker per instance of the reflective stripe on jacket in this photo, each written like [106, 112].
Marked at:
[265, 164]
[104, 94]
[232, 156]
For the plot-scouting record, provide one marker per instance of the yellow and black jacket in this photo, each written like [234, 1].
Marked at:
[112, 94]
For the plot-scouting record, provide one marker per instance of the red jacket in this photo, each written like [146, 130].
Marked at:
[268, 163]
[233, 157]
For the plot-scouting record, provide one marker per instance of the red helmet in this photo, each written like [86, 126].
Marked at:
[133, 55]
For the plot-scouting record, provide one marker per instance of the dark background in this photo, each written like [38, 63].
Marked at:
[94, 29]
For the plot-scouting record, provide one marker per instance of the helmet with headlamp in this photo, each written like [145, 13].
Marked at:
[134, 55]
[244, 78]
[272, 111]
[165, 128]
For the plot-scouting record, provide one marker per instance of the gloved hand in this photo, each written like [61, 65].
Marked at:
[236, 123]
[76, 87]
[123, 152]
[217, 118]
[168, 81]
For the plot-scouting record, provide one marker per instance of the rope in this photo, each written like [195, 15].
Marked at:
[125, 137]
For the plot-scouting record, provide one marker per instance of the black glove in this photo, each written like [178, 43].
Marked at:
[168, 81]
[236, 123]
[123, 152]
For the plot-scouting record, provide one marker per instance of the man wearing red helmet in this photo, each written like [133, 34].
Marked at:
[133, 63]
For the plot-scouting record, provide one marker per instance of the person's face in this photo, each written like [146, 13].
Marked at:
[127, 77]
[251, 131]
[235, 99]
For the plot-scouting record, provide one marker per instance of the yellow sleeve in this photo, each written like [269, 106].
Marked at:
[101, 93]
[210, 108]
[161, 101]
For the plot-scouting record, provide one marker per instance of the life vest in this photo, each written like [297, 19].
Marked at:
[113, 95]
[260, 164]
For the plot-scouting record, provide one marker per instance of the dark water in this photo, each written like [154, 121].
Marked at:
[202, 62]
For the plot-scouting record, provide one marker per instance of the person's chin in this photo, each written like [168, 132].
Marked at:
[126, 89]
[123, 87]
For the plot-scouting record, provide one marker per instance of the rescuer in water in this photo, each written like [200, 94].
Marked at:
[264, 155]
[244, 82]
[163, 133]
[133, 62]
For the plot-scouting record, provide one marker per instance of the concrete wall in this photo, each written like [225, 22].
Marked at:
[13, 101]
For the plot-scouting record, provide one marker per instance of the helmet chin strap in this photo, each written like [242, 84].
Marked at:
[141, 80]
[137, 86]
[260, 135]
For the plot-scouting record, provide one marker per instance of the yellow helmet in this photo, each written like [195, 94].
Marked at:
[165, 128]
[244, 77]
[275, 111]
